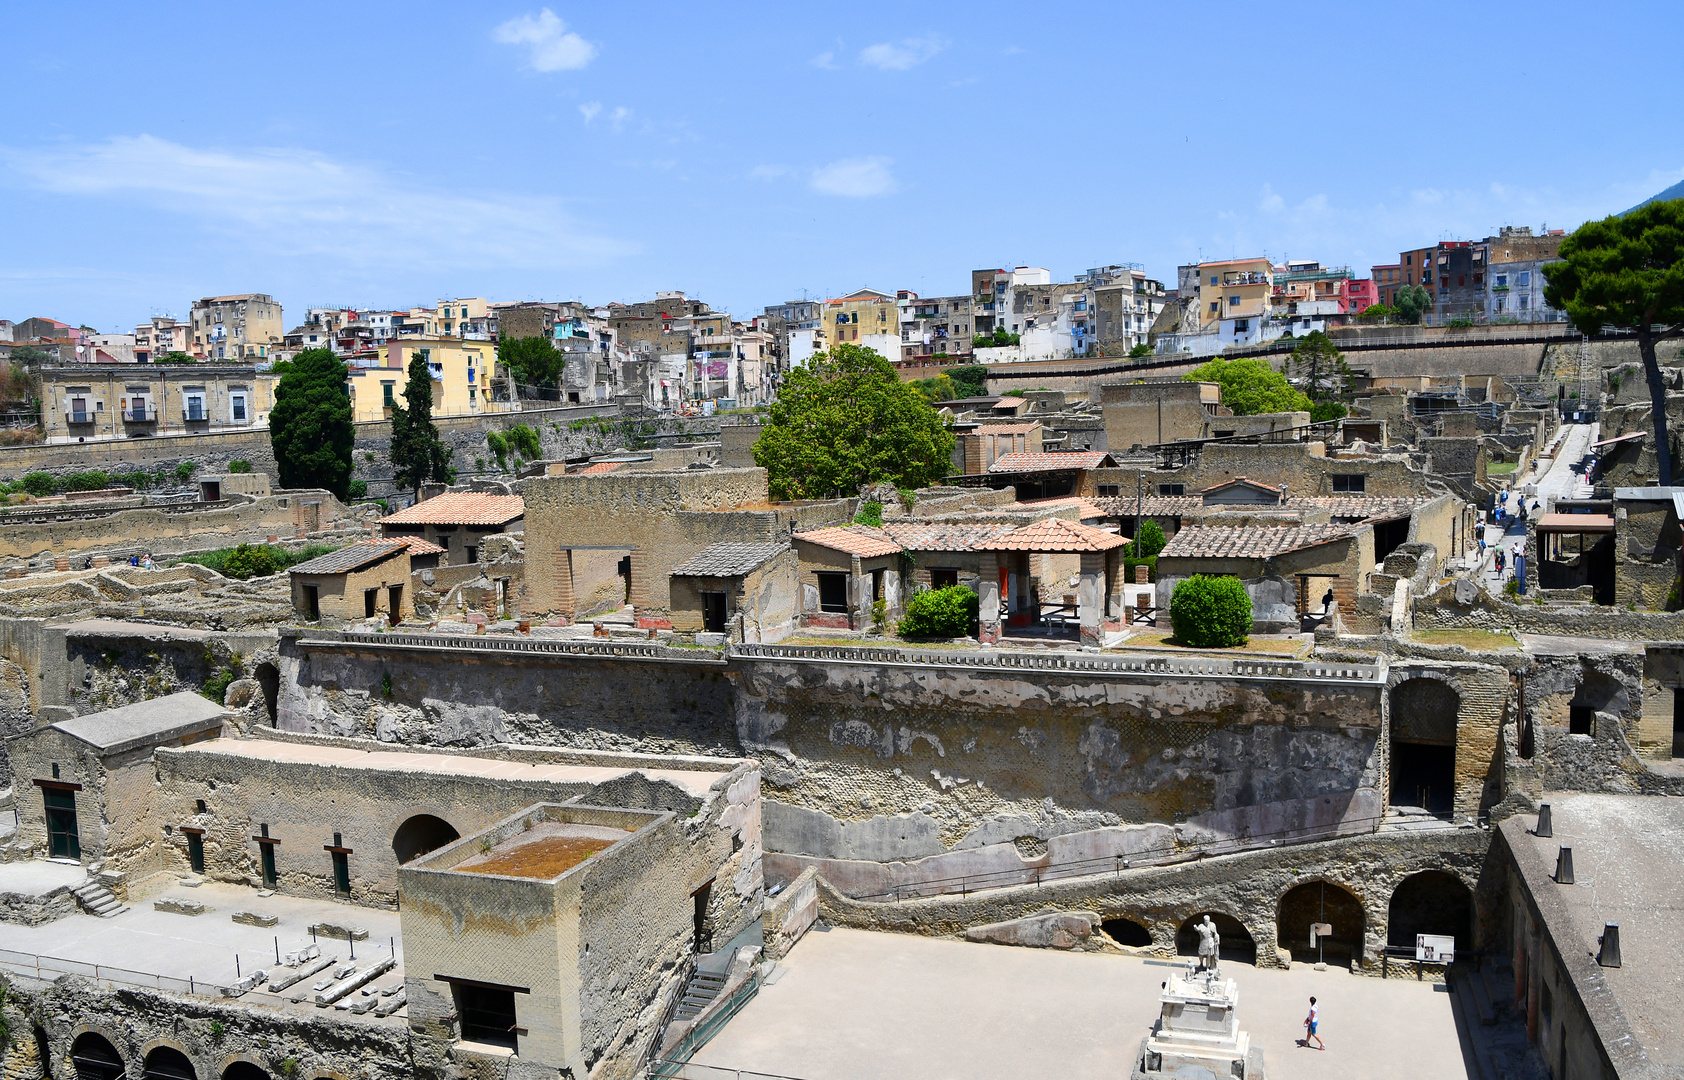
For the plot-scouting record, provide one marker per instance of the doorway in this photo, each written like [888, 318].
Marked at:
[394, 597]
[1423, 717]
[63, 839]
[703, 927]
[1678, 722]
[713, 612]
[312, 603]
[371, 602]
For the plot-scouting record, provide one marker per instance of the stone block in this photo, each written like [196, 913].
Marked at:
[177, 905]
[344, 932]
[255, 918]
[710, 640]
[1043, 930]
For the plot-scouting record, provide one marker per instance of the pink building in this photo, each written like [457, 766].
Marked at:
[1359, 293]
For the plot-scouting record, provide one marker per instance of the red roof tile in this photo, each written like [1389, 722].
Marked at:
[861, 540]
[939, 536]
[1248, 541]
[418, 546]
[1028, 462]
[1055, 535]
[461, 508]
[601, 467]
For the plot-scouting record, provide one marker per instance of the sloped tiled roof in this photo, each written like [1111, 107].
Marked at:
[351, 558]
[1248, 541]
[1055, 535]
[601, 467]
[419, 546]
[727, 559]
[1087, 508]
[861, 540]
[1362, 507]
[1150, 505]
[461, 508]
[1240, 481]
[1024, 462]
[939, 536]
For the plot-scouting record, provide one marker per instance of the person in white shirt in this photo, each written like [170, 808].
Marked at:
[1311, 1022]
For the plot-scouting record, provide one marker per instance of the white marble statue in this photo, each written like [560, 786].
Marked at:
[1210, 945]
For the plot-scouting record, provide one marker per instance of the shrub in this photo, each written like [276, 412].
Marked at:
[138, 480]
[359, 489]
[944, 613]
[216, 687]
[247, 561]
[969, 380]
[870, 513]
[1210, 612]
[238, 466]
[1148, 541]
[39, 484]
[97, 480]
[184, 471]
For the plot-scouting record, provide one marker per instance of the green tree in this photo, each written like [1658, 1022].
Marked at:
[1410, 303]
[1318, 368]
[1140, 351]
[1210, 612]
[533, 360]
[936, 389]
[939, 613]
[969, 380]
[1251, 386]
[249, 561]
[1628, 271]
[29, 354]
[418, 454]
[310, 426]
[1377, 313]
[846, 420]
[1148, 540]
[176, 358]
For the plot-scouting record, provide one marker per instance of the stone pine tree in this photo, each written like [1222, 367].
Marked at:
[418, 454]
[310, 426]
[1410, 303]
[1318, 368]
[1627, 271]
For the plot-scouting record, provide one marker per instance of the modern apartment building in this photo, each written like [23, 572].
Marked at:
[1458, 271]
[1516, 288]
[934, 325]
[161, 336]
[87, 402]
[1234, 299]
[245, 326]
[464, 377]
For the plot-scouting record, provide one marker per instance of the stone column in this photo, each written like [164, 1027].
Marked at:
[988, 597]
[1090, 597]
[859, 595]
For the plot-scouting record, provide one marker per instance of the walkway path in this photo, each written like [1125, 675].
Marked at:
[1561, 476]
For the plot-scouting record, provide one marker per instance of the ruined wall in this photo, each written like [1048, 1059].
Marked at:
[1440, 611]
[1305, 469]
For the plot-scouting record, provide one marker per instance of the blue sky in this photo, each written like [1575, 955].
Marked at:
[388, 155]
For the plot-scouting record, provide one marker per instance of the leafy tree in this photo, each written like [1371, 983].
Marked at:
[176, 358]
[249, 561]
[1323, 411]
[1410, 303]
[39, 484]
[1148, 540]
[939, 613]
[359, 489]
[1251, 386]
[1318, 368]
[239, 466]
[310, 426]
[937, 388]
[534, 361]
[1628, 271]
[1376, 313]
[29, 354]
[969, 380]
[418, 454]
[1140, 350]
[1210, 612]
[846, 420]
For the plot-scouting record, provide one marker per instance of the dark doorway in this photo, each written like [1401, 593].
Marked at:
[421, 834]
[266, 853]
[166, 1063]
[703, 926]
[1321, 902]
[312, 603]
[1127, 932]
[243, 1070]
[195, 851]
[1678, 723]
[269, 680]
[1423, 716]
[1596, 693]
[833, 593]
[1424, 776]
[943, 577]
[487, 1012]
[1237, 944]
[371, 602]
[1431, 902]
[63, 839]
[623, 568]
[342, 872]
[394, 599]
[713, 612]
[1581, 720]
[95, 1058]
[1388, 535]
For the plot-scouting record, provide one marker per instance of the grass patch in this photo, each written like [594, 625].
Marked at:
[1501, 468]
[1468, 639]
[1152, 639]
[283, 557]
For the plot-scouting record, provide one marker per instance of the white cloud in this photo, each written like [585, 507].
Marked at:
[291, 202]
[901, 55]
[768, 172]
[826, 60]
[854, 178]
[589, 110]
[553, 48]
[1270, 203]
[619, 117]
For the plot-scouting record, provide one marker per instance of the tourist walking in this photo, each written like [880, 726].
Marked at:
[1311, 1022]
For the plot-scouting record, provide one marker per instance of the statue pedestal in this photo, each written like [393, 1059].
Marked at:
[1197, 1034]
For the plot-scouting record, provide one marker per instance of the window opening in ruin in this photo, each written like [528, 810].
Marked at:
[1423, 715]
[63, 839]
[95, 1058]
[713, 612]
[1581, 720]
[195, 851]
[1349, 482]
[244, 1070]
[1388, 535]
[472, 553]
[394, 598]
[943, 577]
[312, 603]
[487, 1012]
[876, 585]
[371, 602]
[421, 834]
[1127, 932]
[168, 1063]
[1172, 489]
[833, 592]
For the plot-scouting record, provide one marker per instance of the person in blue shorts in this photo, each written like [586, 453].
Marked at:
[1311, 1022]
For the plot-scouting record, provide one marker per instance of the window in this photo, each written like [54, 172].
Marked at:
[1478, 278]
[1233, 301]
[1172, 489]
[1108, 491]
[1525, 277]
[833, 592]
[371, 602]
[1501, 281]
[1349, 482]
[195, 406]
[487, 1012]
[943, 577]
[1215, 306]
[1213, 279]
[1525, 301]
[1461, 279]
[237, 406]
[386, 391]
[713, 612]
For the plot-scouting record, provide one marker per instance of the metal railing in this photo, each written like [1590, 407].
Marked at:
[48, 968]
[684, 1070]
[524, 645]
[698, 1036]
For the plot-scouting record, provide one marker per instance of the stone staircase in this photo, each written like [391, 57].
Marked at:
[1493, 1026]
[98, 900]
[699, 993]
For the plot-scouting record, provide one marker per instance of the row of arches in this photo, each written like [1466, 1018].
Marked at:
[1429, 902]
[94, 1058]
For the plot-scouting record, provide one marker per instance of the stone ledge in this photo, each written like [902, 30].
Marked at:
[176, 905]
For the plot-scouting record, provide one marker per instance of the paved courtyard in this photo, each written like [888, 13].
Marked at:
[854, 1004]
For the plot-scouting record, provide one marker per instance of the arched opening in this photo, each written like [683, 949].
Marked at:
[1431, 902]
[1596, 693]
[94, 1058]
[168, 1063]
[1321, 902]
[1423, 746]
[1236, 939]
[1127, 932]
[243, 1070]
[269, 678]
[421, 834]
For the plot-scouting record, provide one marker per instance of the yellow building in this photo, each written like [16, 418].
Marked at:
[861, 315]
[244, 326]
[1235, 289]
[463, 377]
[461, 317]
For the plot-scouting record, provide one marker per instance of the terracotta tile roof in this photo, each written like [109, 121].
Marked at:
[350, 558]
[1055, 535]
[1150, 505]
[1240, 480]
[600, 467]
[1087, 508]
[419, 546]
[1029, 462]
[1248, 541]
[461, 508]
[1017, 427]
[861, 540]
[1362, 507]
[939, 536]
[727, 559]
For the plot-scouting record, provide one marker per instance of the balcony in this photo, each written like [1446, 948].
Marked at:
[141, 415]
[1245, 279]
[195, 416]
[78, 416]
